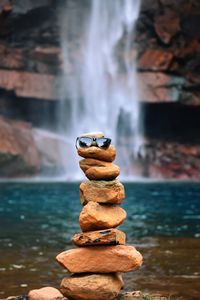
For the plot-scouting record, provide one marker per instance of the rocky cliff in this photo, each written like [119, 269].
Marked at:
[168, 54]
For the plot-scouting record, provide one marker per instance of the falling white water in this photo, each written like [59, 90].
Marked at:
[99, 88]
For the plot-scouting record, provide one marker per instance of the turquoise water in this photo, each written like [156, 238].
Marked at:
[38, 220]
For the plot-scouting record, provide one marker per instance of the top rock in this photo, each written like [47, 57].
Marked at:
[93, 134]
[108, 154]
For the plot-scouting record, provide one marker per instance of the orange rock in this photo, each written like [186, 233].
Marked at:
[95, 216]
[100, 237]
[92, 286]
[99, 170]
[98, 153]
[156, 60]
[111, 192]
[45, 293]
[100, 259]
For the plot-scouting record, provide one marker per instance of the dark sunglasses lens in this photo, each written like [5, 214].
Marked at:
[85, 142]
[103, 142]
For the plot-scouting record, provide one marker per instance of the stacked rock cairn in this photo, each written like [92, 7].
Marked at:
[102, 254]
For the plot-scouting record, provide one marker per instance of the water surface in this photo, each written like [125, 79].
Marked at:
[38, 220]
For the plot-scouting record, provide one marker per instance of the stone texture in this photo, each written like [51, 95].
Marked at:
[110, 192]
[45, 293]
[108, 154]
[18, 153]
[95, 216]
[92, 286]
[95, 169]
[159, 87]
[100, 237]
[155, 60]
[167, 25]
[100, 259]
[30, 85]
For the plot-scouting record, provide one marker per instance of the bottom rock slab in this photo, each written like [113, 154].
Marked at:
[92, 286]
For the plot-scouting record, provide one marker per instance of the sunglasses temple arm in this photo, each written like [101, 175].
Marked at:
[76, 142]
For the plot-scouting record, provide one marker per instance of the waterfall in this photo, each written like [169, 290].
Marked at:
[99, 87]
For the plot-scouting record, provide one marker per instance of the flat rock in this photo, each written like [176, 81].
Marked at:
[101, 237]
[45, 293]
[107, 154]
[100, 259]
[99, 170]
[92, 286]
[111, 192]
[96, 216]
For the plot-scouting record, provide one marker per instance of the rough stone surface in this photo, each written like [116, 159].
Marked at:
[172, 161]
[92, 286]
[108, 154]
[95, 216]
[95, 169]
[167, 25]
[45, 293]
[27, 84]
[101, 259]
[100, 237]
[111, 192]
[18, 153]
[155, 60]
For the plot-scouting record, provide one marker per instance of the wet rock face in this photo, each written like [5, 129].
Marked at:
[168, 42]
[18, 153]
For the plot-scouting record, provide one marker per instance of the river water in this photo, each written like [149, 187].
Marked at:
[38, 220]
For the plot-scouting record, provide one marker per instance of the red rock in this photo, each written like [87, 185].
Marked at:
[98, 153]
[101, 237]
[155, 60]
[27, 84]
[46, 293]
[92, 286]
[159, 87]
[11, 58]
[95, 216]
[100, 259]
[18, 153]
[95, 169]
[167, 25]
[110, 192]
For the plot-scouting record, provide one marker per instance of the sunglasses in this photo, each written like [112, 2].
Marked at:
[86, 142]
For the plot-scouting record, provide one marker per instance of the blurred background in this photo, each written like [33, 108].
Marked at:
[130, 69]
